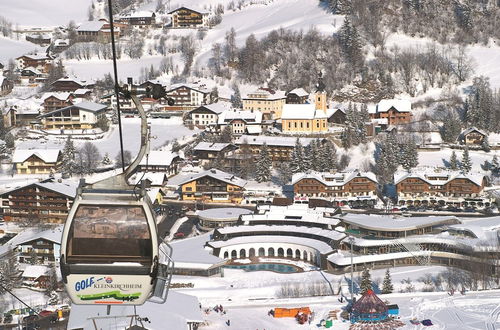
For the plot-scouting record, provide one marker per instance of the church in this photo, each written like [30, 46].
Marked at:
[308, 118]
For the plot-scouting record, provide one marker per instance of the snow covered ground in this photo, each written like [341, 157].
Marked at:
[10, 48]
[40, 13]
[162, 130]
[248, 296]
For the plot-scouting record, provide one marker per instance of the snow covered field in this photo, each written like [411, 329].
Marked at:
[162, 130]
[248, 296]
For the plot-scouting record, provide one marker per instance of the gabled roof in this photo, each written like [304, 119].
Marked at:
[334, 179]
[437, 177]
[193, 87]
[91, 26]
[36, 57]
[35, 271]
[300, 92]
[218, 175]
[68, 189]
[47, 155]
[159, 158]
[63, 96]
[216, 108]
[52, 235]
[210, 146]
[247, 116]
[32, 69]
[298, 111]
[399, 105]
[84, 105]
[473, 129]
[331, 112]
[173, 11]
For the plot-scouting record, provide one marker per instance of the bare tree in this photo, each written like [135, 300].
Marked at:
[90, 156]
[461, 64]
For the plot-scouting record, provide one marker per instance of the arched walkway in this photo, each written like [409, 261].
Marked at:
[226, 255]
[251, 252]
[234, 254]
[281, 252]
[297, 254]
[271, 252]
[262, 252]
[242, 253]
[289, 253]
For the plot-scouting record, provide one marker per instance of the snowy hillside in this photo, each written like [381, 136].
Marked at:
[44, 13]
[13, 48]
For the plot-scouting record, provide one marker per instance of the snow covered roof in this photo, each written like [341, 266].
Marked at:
[333, 179]
[47, 155]
[224, 213]
[68, 188]
[196, 11]
[473, 129]
[219, 175]
[299, 92]
[35, 271]
[395, 223]
[91, 26]
[63, 96]
[386, 105]
[282, 141]
[298, 111]
[32, 69]
[484, 229]
[210, 146]
[53, 235]
[156, 178]
[435, 176]
[270, 229]
[331, 112]
[322, 247]
[82, 91]
[159, 158]
[265, 93]
[36, 57]
[252, 117]
[216, 108]
[84, 105]
[254, 129]
[195, 87]
[176, 312]
[293, 213]
[138, 14]
[192, 251]
[61, 42]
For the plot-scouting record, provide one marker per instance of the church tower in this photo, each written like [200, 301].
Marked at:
[320, 94]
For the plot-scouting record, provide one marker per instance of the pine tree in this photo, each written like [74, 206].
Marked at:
[350, 41]
[388, 159]
[328, 157]
[236, 98]
[495, 165]
[453, 161]
[264, 165]
[68, 164]
[226, 136]
[10, 141]
[409, 155]
[366, 281]
[33, 257]
[297, 160]
[387, 286]
[486, 145]
[284, 173]
[106, 160]
[466, 164]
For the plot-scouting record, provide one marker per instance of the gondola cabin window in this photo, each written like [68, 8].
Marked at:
[108, 234]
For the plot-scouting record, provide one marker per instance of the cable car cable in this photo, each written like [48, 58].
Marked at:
[22, 302]
[117, 87]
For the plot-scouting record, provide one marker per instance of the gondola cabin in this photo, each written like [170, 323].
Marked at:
[109, 253]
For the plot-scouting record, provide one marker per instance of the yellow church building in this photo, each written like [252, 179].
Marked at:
[307, 118]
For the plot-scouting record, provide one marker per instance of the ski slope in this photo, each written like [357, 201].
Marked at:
[10, 48]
